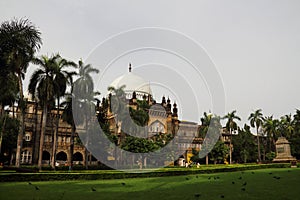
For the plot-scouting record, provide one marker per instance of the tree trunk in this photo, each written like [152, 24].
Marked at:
[38, 129]
[258, 145]
[22, 124]
[71, 149]
[43, 131]
[53, 159]
[2, 131]
[230, 147]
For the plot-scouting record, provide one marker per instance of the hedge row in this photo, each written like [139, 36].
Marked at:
[12, 177]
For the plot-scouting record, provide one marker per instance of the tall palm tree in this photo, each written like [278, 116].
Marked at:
[62, 78]
[84, 91]
[231, 125]
[270, 127]
[256, 120]
[67, 116]
[43, 87]
[205, 122]
[19, 41]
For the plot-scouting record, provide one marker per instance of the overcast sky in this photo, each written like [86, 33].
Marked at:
[254, 45]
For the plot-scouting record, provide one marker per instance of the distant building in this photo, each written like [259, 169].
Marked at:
[163, 119]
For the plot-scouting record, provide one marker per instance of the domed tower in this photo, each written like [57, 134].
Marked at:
[132, 83]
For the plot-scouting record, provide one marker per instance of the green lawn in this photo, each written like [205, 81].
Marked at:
[259, 184]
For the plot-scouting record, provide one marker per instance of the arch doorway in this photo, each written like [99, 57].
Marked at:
[77, 158]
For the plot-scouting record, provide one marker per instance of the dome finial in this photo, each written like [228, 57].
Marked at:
[129, 67]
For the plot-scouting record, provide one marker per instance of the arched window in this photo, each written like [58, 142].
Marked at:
[157, 127]
[61, 156]
[26, 157]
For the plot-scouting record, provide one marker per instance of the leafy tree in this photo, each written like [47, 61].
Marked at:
[9, 127]
[19, 41]
[256, 120]
[219, 152]
[295, 139]
[244, 146]
[231, 125]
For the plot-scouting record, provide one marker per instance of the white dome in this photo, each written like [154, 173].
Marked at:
[132, 83]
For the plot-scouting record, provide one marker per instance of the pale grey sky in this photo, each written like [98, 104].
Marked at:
[255, 45]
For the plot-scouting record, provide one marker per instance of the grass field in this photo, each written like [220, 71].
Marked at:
[254, 184]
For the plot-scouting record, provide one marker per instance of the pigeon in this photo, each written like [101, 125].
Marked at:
[93, 189]
[197, 195]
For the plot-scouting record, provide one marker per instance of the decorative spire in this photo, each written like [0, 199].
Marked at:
[129, 67]
[175, 109]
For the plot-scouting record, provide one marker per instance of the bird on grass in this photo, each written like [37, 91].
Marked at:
[123, 184]
[29, 183]
[93, 189]
[245, 184]
[197, 195]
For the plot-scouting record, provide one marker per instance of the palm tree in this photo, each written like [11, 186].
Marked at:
[62, 78]
[84, 92]
[231, 125]
[286, 126]
[85, 83]
[205, 122]
[67, 116]
[256, 120]
[43, 86]
[270, 127]
[19, 41]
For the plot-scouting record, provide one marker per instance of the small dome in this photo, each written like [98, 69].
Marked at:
[132, 83]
